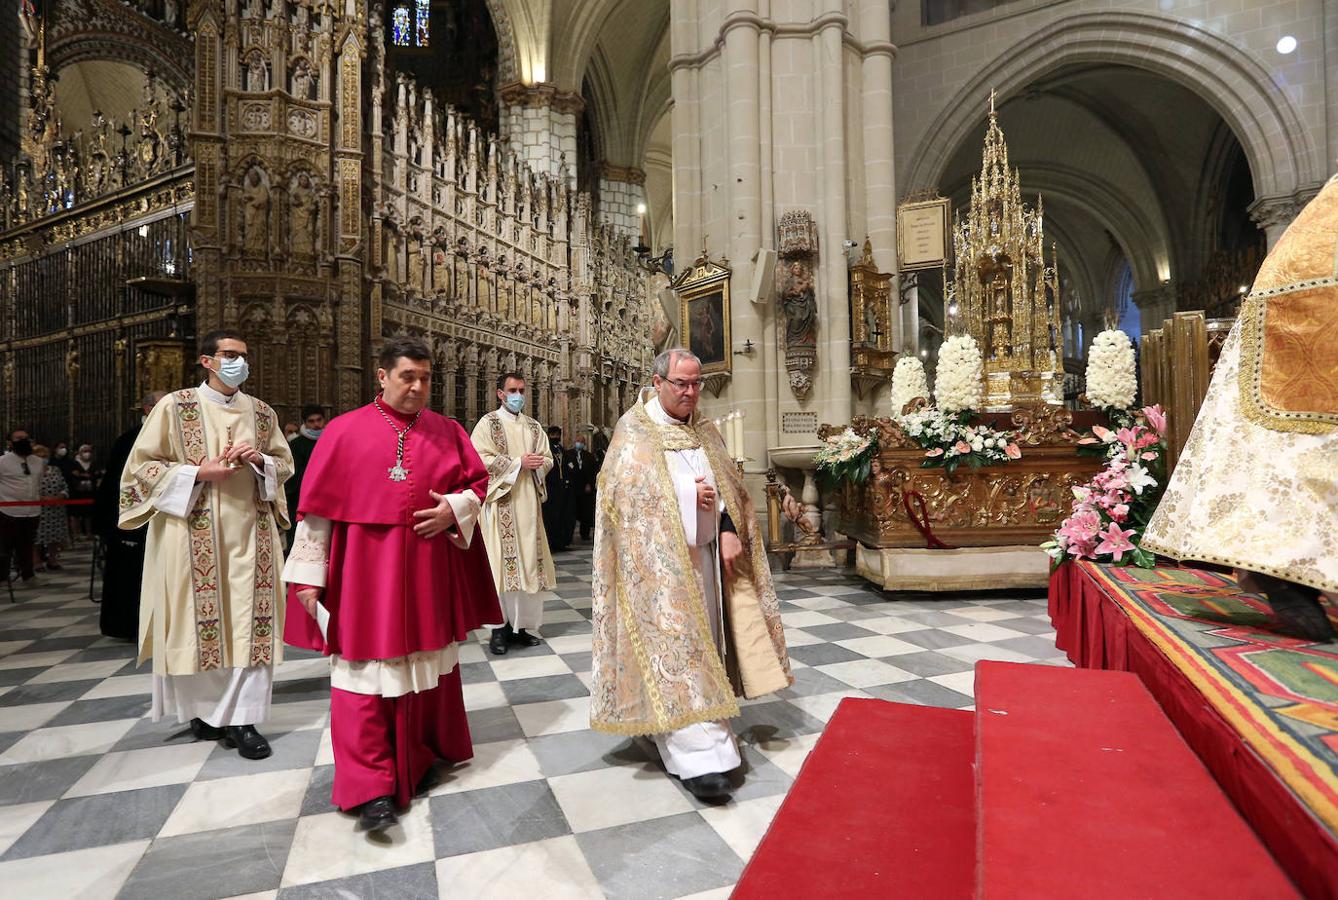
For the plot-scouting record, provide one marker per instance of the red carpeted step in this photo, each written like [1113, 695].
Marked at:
[881, 808]
[1086, 789]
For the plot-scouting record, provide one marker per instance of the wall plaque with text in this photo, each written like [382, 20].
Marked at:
[923, 234]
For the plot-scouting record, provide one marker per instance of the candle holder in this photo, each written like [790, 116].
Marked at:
[231, 463]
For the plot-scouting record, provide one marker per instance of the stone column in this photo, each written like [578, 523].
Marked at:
[540, 122]
[1155, 306]
[1274, 214]
[622, 193]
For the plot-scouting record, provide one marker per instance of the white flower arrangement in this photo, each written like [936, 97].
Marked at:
[949, 442]
[959, 385]
[908, 382]
[1111, 379]
[847, 456]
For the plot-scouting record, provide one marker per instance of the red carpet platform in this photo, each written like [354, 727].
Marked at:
[1063, 783]
[1259, 709]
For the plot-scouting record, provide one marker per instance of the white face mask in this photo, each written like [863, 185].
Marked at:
[233, 372]
[60, 452]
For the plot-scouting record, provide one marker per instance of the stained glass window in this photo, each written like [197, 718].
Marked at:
[424, 13]
[401, 28]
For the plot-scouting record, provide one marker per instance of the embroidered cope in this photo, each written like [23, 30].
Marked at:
[656, 663]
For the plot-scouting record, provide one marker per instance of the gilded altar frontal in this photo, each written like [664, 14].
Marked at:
[605, 448]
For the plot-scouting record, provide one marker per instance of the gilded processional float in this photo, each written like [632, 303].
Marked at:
[957, 492]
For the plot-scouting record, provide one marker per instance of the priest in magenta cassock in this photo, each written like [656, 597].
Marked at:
[385, 546]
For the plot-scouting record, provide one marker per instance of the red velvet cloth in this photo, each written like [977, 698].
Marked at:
[1095, 632]
[384, 746]
[390, 592]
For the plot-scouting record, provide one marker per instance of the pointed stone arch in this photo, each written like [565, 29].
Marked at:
[1282, 156]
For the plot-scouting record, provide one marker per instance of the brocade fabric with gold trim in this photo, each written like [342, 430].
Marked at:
[656, 667]
[1288, 378]
[1248, 496]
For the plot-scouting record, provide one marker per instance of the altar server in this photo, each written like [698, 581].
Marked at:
[516, 452]
[206, 475]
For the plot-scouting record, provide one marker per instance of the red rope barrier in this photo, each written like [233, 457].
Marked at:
[54, 502]
[921, 520]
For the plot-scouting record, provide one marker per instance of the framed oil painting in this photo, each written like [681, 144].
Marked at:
[703, 303]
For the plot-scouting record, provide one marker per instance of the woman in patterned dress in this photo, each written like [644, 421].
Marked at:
[53, 528]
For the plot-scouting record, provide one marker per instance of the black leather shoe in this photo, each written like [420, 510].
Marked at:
[523, 638]
[498, 642]
[429, 780]
[250, 743]
[710, 786]
[377, 815]
[203, 731]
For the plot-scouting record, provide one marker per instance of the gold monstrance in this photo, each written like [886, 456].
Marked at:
[1006, 296]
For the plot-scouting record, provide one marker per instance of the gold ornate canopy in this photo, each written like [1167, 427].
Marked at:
[1006, 295]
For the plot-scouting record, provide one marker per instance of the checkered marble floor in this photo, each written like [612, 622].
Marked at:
[98, 801]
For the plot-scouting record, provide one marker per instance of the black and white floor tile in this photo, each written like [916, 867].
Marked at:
[98, 801]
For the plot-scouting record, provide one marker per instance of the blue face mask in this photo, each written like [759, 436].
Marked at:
[515, 403]
[580, 445]
[233, 372]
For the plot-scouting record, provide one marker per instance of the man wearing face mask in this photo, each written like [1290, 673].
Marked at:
[558, 512]
[582, 473]
[206, 476]
[123, 572]
[302, 444]
[516, 452]
[83, 477]
[20, 480]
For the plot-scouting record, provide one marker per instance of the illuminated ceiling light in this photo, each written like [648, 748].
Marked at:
[641, 209]
[1286, 44]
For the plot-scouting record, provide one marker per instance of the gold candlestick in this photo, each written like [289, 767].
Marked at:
[232, 463]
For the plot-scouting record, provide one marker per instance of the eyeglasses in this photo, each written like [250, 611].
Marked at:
[684, 387]
[231, 354]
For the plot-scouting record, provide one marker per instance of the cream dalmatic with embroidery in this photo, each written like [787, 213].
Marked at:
[211, 596]
[513, 521]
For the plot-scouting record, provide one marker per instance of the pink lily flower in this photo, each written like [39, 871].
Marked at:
[937, 451]
[1115, 541]
[1012, 451]
[1156, 417]
[962, 447]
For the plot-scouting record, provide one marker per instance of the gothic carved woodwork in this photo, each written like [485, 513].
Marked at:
[798, 298]
[871, 353]
[1016, 504]
[324, 216]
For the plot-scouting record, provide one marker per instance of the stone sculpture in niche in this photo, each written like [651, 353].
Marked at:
[798, 299]
[303, 212]
[255, 215]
